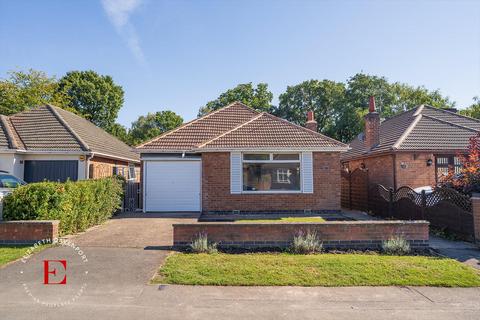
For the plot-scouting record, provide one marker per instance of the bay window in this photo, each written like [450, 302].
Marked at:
[271, 172]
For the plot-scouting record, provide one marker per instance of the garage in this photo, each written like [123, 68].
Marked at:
[172, 185]
[50, 170]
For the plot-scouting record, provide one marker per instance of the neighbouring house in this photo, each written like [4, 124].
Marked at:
[415, 148]
[49, 143]
[236, 159]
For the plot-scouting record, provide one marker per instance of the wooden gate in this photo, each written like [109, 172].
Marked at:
[444, 208]
[132, 196]
[355, 189]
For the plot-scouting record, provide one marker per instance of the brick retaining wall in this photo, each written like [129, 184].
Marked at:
[335, 234]
[27, 232]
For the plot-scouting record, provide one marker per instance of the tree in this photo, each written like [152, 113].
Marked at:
[474, 110]
[152, 125]
[408, 97]
[24, 90]
[258, 98]
[96, 97]
[120, 132]
[468, 181]
[325, 98]
[340, 112]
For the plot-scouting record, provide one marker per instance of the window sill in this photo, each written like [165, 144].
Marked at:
[272, 192]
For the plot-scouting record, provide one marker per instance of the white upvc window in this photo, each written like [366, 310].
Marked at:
[131, 171]
[271, 172]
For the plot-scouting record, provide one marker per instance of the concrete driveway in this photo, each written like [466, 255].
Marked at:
[134, 230]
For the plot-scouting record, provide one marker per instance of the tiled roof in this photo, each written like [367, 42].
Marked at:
[96, 139]
[3, 134]
[422, 128]
[48, 128]
[237, 126]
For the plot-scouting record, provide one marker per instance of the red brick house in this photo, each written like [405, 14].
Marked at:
[50, 143]
[236, 159]
[415, 148]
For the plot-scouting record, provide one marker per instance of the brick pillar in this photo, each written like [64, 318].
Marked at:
[476, 216]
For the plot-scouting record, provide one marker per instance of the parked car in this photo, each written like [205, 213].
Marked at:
[8, 182]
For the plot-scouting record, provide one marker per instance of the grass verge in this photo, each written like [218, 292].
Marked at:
[284, 219]
[333, 270]
[10, 253]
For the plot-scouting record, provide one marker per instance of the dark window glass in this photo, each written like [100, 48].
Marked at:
[286, 156]
[256, 156]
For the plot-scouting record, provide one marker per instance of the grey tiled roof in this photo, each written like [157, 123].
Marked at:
[422, 128]
[48, 128]
[237, 126]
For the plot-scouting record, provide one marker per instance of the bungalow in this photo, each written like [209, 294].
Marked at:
[49, 143]
[415, 148]
[236, 159]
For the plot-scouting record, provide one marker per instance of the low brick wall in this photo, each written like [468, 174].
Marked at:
[27, 232]
[335, 234]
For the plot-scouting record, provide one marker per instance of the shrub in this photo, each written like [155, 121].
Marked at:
[201, 245]
[396, 246]
[468, 180]
[306, 242]
[78, 205]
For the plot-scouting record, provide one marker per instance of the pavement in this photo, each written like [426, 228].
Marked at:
[123, 255]
[462, 251]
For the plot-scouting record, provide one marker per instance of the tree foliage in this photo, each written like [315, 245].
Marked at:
[340, 107]
[474, 110]
[468, 181]
[23, 90]
[95, 97]
[152, 125]
[326, 98]
[120, 132]
[258, 98]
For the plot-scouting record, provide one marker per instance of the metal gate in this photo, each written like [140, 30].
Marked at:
[132, 197]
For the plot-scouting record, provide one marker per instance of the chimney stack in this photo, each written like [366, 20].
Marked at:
[311, 123]
[372, 125]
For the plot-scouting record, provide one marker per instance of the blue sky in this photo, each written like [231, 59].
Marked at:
[180, 54]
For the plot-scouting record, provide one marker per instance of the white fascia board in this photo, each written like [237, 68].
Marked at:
[105, 155]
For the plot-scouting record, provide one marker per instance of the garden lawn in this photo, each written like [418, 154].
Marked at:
[280, 220]
[283, 269]
[11, 253]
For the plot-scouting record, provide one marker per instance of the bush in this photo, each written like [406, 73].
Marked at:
[78, 205]
[396, 246]
[306, 242]
[201, 245]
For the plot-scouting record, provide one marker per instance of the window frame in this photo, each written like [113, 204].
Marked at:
[131, 168]
[299, 161]
[451, 164]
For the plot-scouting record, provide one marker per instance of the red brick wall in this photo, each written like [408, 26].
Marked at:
[347, 234]
[103, 167]
[14, 232]
[415, 172]
[380, 169]
[216, 187]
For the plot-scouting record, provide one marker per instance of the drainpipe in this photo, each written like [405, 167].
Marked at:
[87, 165]
[394, 159]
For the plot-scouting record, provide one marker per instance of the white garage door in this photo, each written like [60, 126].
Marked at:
[172, 185]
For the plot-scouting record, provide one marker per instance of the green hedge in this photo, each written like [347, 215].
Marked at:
[78, 205]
